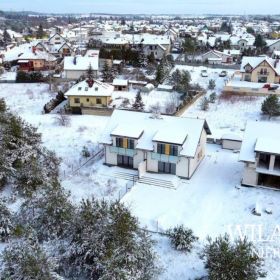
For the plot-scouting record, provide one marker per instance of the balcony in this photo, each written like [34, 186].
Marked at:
[123, 151]
[165, 158]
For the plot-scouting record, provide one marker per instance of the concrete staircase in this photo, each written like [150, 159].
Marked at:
[168, 182]
[126, 176]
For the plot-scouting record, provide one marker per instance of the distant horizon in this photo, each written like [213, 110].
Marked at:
[144, 7]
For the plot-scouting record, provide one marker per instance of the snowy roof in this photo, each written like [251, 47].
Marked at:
[81, 62]
[130, 131]
[120, 82]
[168, 129]
[254, 131]
[232, 137]
[171, 135]
[268, 145]
[83, 89]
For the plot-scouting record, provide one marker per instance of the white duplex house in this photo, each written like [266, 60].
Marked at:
[153, 143]
[260, 152]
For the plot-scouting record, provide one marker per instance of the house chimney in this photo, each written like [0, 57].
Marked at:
[34, 49]
[276, 62]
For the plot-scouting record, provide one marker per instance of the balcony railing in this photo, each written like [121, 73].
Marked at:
[123, 151]
[165, 158]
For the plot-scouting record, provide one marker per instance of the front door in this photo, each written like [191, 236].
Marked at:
[125, 161]
[166, 167]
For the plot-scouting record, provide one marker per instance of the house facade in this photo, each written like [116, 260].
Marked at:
[156, 144]
[88, 95]
[260, 153]
[260, 70]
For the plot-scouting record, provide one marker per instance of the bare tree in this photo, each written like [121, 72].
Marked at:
[62, 118]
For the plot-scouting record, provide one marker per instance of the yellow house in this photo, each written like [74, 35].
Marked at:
[260, 70]
[89, 95]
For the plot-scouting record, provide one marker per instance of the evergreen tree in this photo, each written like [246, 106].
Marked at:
[6, 37]
[204, 104]
[271, 106]
[232, 261]
[6, 225]
[40, 32]
[212, 97]
[90, 73]
[181, 238]
[26, 260]
[49, 213]
[105, 243]
[160, 73]
[142, 59]
[138, 104]
[211, 84]
[107, 74]
[259, 43]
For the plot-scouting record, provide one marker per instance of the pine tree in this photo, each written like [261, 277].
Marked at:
[271, 106]
[138, 104]
[90, 73]
[105, 243]
[142, 59]
[26, 260]
[212, 97]
[160, 73]
[40, 32]
[232, 261]
[48, 212]
[6, 37]
[181, 238]
[6, 225]
[259, 43]
[107, 74]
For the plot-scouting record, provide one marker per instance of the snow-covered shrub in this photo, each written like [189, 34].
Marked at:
[232, 261]
[62, 118]
[182, 238]
[85, 152]
[105, 242]
[26, 260]
[211, 84]
[6, 225]
[212, 97]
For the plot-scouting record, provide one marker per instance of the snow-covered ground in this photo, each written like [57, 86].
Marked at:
[27, 100]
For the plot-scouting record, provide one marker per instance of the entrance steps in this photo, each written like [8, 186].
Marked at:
[160, 180]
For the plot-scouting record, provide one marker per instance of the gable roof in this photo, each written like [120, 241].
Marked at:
[81, 63]
[167, 129]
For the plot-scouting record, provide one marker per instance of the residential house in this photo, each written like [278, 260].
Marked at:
[260, 70]
[273, 45]
[216, 57]
[154, 143]
[260, 152]
[77, 66]
[88, 95]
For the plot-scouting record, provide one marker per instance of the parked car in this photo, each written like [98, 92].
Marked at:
[223, 74]
[271, 87]
[204, 73]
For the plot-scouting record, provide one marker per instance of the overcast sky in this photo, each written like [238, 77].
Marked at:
[145, 6]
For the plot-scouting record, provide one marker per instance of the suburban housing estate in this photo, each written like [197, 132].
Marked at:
[155, 143]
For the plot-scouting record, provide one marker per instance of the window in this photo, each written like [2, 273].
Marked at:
[86, 88]
[130, 144]
[79, 88]
[77, 100]
[96, 89]
[119, 142]
[98, 101]
[173, 150]
[160, 148]
[87, 99]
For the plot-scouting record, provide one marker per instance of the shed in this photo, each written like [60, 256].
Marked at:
[231, 142]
